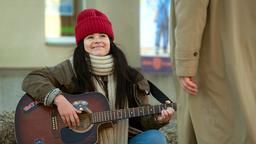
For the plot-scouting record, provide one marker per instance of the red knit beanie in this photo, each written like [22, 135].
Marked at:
[91, 21]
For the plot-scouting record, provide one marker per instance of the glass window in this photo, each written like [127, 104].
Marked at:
[154, 36]
[60, 18]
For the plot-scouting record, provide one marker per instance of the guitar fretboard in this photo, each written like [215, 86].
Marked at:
[105, 116]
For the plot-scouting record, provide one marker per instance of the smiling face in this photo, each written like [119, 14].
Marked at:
[97, 44]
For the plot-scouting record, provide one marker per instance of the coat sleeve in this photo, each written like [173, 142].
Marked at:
[45, 84]
[147, 122]
[190, 17]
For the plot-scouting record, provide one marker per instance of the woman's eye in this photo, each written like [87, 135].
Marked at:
[90, 37]
[102, 35]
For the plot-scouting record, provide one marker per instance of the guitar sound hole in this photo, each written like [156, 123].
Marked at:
[85, 123]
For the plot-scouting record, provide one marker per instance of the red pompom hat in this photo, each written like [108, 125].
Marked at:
[91, 21]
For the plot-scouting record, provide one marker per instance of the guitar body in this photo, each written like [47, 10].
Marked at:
[38, 124]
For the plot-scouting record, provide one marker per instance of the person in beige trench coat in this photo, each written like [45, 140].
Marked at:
[214, 57]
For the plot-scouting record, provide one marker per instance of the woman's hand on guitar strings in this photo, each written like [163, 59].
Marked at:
[67, 111]
[165, 115]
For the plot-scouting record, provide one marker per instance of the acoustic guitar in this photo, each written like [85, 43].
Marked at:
[38, 124]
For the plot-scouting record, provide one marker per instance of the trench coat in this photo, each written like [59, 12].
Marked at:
[214, 41]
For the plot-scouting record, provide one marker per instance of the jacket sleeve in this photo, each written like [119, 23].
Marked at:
[45, 84]
[143, 90]
[190, 17]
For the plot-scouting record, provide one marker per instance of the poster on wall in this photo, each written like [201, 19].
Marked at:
[154, 36]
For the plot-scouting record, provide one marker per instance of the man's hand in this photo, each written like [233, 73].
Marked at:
[188, 84]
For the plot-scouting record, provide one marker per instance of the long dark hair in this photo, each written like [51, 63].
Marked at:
[123, 73]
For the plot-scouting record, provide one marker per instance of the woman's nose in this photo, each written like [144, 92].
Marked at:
[97, 39]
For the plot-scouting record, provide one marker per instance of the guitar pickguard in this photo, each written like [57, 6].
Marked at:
[69, 136]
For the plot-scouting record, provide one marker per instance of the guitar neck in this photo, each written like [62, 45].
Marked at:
[105, 116]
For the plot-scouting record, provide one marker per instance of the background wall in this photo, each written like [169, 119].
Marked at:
[23, 47]
[22, 36]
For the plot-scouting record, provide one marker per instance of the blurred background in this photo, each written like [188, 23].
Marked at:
[39, 33]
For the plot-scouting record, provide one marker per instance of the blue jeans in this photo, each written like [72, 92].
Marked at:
[149, 137]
